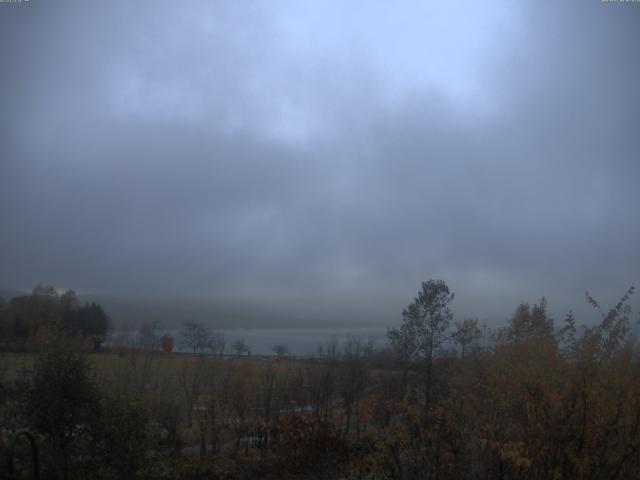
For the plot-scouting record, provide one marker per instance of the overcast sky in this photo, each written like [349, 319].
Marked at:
[322, 157]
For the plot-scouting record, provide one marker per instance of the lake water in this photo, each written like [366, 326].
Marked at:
[299, 341]
[262, 341]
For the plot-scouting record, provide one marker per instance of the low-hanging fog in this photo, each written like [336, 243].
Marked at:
[309, 163]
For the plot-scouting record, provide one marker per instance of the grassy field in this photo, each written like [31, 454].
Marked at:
[14, 365]
[183, 381]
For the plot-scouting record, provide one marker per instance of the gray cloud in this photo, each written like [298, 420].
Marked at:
[321, 161]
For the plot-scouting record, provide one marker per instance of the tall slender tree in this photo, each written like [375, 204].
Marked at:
[423, 330]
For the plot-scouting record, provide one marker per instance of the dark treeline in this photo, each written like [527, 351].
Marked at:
[28, 321]
[535, 399]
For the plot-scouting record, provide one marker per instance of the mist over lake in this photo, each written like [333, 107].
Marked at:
[300, 341]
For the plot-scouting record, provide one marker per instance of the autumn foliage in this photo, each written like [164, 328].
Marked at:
[446, 399]
[167, 343]
[534, 402]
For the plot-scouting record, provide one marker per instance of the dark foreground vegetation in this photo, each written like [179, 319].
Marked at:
[445, 400]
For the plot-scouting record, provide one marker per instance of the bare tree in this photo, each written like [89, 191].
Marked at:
[321, 377]
[148, 337]
[403, 346]
[215, 402]
[241, 400]
[217, 343]
[280, 349]
[240, 347]
[466, 334]
[268, 405]
[191, 379]
[353, 376]
[194, 336]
